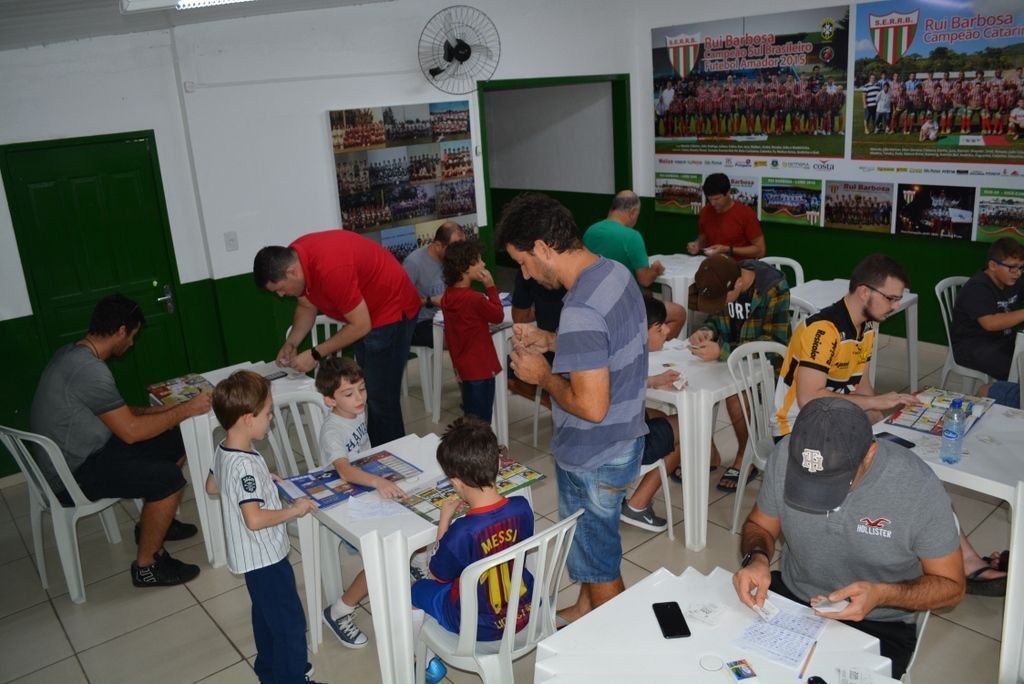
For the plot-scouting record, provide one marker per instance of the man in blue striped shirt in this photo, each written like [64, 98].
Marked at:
[596, 382]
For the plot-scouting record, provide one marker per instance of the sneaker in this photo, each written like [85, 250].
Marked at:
[436, 670]
[164, 572]
[645, 519]
[176, 532]
[345, 629]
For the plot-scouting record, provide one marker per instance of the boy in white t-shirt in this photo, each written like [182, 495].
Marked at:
[342, 437]
[254, 528]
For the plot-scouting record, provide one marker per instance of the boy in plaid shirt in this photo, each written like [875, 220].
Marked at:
[745, 302]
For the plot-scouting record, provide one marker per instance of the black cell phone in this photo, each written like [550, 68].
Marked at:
[670, 619]
[906, 443]
[276, 375]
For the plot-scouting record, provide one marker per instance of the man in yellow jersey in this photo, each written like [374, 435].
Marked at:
[830, 351]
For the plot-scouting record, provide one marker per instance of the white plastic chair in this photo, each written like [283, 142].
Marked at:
[425, 359]
[41, 497]
[799, 310]
[305, 410]
[492, 660]
[751, 368]
[946, 290]
[793, 264]
[666, 490]
[922, 622]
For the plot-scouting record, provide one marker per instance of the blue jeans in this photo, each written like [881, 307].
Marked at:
[596, 551]
[478, 398]
[278, 624]
[383, 353]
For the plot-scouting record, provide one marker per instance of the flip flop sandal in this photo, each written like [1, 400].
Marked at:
[1002, 562]
[733, 475]
[677, 475]
[982, 587]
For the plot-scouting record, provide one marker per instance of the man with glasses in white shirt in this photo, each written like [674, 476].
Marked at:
[987, 309]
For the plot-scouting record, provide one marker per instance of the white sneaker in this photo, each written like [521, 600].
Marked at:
[345, 629]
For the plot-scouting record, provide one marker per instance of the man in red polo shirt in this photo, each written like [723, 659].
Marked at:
[352, 279]
[726, 227]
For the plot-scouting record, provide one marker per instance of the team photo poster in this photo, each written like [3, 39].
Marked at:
[403, 170]
[939, 81]
[769, 85]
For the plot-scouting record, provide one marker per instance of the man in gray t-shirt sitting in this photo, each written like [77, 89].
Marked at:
[114, 450]
[865, 521]
[424, 269]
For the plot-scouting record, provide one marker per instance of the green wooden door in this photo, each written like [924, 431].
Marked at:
[90, 220]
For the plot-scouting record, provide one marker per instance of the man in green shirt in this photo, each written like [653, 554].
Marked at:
[615, 238]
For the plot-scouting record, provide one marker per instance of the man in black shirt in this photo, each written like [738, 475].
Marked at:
[987, 309]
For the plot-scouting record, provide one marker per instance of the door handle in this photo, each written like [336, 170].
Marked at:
[167, 299]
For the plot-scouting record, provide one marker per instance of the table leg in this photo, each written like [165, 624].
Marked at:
[912, 345]
[1010, 667]
[197, 478]
[695, 409]
[500, 421]
[330, 566]
[214, 519]
[309, 549]
[438, 359]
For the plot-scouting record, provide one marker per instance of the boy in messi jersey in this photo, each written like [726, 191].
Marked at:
[468, 455]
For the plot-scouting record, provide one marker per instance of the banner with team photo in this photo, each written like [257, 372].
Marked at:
[1000, 214]
[791, 200]
[855, 205]
[678, 193]
[763, 85]
[939, 81]
[935, 211]
[744, 190]
[403, 170]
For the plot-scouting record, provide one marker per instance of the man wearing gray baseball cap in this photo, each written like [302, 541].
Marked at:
[868, 526]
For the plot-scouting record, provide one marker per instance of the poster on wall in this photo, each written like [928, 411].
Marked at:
[763, 85]
[678, 193]
[791, 200]
[941, 211]
[1000, 214]
[855, 205]
[938, 81]
[403, 170]
[744, 190]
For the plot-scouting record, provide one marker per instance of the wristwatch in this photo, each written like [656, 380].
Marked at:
[750, 556]
[317, 356]
[730, 250]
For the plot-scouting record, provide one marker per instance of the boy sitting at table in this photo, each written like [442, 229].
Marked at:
[342, 437]
[468, 455]
[254, 528]
[467, 314]
[662, 439]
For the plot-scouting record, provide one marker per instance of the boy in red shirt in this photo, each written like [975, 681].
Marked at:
[467, 314]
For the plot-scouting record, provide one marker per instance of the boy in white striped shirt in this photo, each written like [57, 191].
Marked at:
[254, 528]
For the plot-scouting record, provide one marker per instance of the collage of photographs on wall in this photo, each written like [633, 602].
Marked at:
[921, 89]
[403, 171]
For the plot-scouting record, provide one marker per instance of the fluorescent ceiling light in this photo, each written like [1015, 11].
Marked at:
[155, 5]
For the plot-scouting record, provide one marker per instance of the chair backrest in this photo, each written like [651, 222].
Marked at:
[22, 444]
[323, 327]
[946, 290]
[799, 310]
[550, 549]
[792, 264]
[750, 365]
[305, 410]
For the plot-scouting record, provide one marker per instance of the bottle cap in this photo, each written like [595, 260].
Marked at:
[956, 403]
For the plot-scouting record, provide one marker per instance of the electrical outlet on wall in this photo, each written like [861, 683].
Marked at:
[231, 241]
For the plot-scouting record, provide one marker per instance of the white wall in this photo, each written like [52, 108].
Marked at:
[551, 138]
[257, 116]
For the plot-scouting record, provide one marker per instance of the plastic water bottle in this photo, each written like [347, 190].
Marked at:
[953, 433]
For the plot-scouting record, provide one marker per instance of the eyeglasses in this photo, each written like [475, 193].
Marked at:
[1019, 268]
[893, 299]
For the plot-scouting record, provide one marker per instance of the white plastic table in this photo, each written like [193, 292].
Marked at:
[500, 335]
[621, 642]
[197, 433]
[709, 382]
[817, 294]
[679, 272]
[992, 464]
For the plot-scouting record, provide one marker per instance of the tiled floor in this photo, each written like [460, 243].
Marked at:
[201, 631]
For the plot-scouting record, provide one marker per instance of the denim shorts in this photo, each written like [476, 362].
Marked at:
[1005, 393]
[596, 552]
